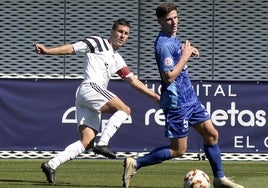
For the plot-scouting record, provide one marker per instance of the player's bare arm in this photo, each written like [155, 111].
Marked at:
[138, 85]
[187, 52]
[60, 50]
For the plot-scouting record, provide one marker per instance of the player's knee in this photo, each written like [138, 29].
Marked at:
[127, 110]
[178, 152]
[88, 144]
[212, 137]
[216, 135]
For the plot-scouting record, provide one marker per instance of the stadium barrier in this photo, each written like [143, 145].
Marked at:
[38, 119]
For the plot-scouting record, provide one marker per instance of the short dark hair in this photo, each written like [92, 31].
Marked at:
[164, 9]
[121, 21]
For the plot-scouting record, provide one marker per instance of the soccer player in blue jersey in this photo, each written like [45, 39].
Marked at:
[180, 104]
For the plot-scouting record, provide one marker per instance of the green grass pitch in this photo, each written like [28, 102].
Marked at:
[107, 173]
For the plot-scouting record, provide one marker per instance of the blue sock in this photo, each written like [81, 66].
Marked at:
[154, 157]
[214, 156]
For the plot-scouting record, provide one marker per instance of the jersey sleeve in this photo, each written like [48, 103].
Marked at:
[164, 58]
[80, 47]
[121, 67]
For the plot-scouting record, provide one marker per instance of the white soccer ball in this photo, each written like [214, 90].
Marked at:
[196, 179]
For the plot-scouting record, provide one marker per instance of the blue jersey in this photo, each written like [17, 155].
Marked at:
[180, 92]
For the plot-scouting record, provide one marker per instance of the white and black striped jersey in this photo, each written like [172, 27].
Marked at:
[101, 60]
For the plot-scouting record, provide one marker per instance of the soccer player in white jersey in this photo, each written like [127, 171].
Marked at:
[101, 62]
[180, 104]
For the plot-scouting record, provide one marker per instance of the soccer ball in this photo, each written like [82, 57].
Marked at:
[196, 179]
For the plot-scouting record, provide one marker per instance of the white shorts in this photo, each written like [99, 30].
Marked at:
[89, 99]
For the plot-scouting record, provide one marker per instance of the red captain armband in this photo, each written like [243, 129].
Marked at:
[124, 72]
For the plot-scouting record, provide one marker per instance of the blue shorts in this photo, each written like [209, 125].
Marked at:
[180, 119]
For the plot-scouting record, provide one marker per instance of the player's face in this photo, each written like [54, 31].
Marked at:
[119, 36]
[169, 23]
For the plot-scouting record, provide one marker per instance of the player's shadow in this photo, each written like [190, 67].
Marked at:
[19, 181]
[43, 184]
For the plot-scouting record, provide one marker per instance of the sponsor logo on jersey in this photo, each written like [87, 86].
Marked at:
[168, 61]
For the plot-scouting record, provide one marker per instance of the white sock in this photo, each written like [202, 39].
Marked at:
[70, 152]
[113, 124]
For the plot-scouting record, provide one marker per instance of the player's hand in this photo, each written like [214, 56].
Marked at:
[40, 49]
[188, 50]
[195, 53]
